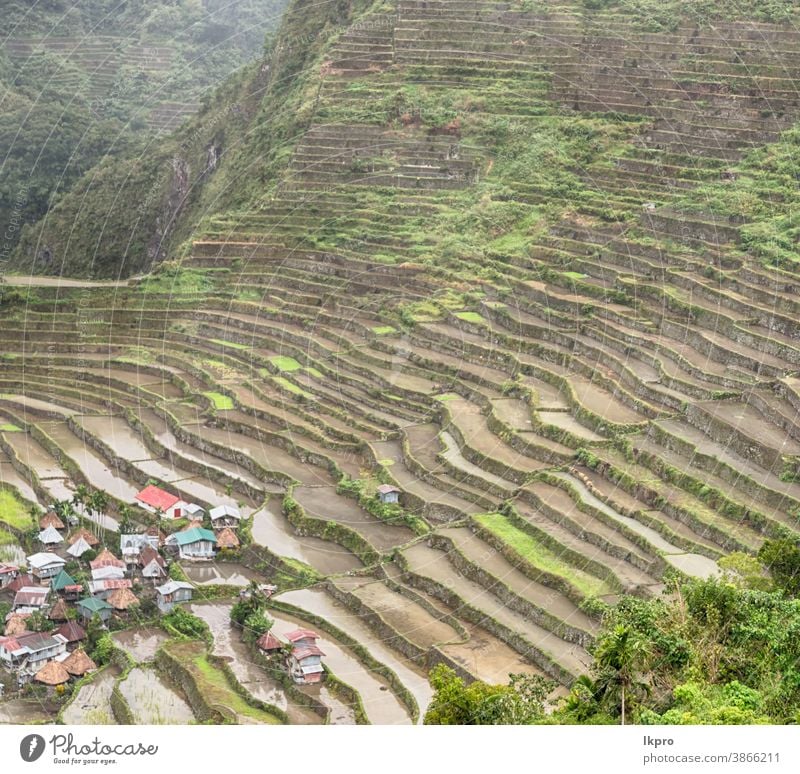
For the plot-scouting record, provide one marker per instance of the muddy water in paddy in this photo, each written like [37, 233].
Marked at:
[90, 462]
[227, 573]
[565, 421]
[119, 435]
[324, 503]
[32, 454]
[164, 435]
[42, 405]
[269, 457]
[273, 530]
[23, 711]
[454, 456]
[404, 615]
[340, 713]
[152, 701]
[91, 706]
[318, 602]
[62, 282]
[488, 658]
[430, 562]
[58, 488]
[228, 645]
[141, 643]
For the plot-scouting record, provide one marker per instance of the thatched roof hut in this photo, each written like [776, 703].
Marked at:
[16, 623]
[51, 519]
[79, 548]
[78, 663]
[226, 538]
[59, 611]
[122, 599]
[86, 535]
[52, 673]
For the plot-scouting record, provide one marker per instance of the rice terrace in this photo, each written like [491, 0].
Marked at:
[443, 367]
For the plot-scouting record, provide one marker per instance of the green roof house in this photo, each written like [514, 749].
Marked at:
[194, 543]
[61, 581]
[93, 605]
[65, 584]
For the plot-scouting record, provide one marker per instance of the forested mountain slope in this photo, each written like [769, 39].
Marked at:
[83, 81]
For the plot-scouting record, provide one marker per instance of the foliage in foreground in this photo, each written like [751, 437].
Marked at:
[708, 652]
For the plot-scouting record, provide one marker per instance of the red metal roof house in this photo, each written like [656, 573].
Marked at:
[156, 500]
[305, 660]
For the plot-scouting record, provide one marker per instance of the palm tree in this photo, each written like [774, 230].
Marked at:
[126, 523]
[81, 495]
[98, 502]
[619, 656]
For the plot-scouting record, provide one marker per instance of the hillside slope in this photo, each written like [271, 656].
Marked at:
[91, 81]
[489, 252]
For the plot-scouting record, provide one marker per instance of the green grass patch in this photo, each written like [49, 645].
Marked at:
[384, 330]
[221, 402]
[8, 427]
[314, 372]
[447, 396]
[421, 311]
[471, 317]
[285, 363]
[575, 275]
[298, 574]
[212, 683]
[540, 556]
[290, 386]
[13, 512]
[248, 294]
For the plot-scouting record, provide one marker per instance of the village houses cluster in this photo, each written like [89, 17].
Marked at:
[114, 585]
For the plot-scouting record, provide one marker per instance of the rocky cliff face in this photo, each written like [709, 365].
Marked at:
[126, 214]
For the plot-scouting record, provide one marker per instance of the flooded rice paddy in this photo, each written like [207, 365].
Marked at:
[140, 643]
[228, 645]
[271, 529]
[223, 573]
[152, 701]
[91, 705]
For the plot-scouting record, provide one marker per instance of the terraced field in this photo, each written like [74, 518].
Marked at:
[566, 422]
